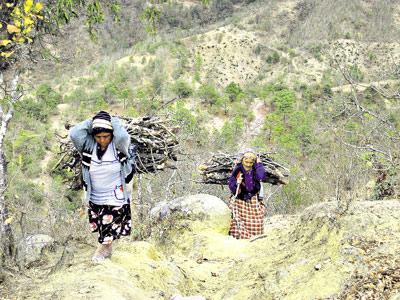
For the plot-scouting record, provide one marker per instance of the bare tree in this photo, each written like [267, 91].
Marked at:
[376, 138]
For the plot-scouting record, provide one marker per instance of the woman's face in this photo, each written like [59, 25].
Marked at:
[248, 160]
[103, 139]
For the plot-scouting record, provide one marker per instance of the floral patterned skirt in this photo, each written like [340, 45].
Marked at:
[111, 222]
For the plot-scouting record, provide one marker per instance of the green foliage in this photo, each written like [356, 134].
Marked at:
[209, 94]
[198, 62]
[26, 149]
[241, 109]
[351, 127]
[266, 90]
[232, 131]
[185, 119]
[111, 90]
[224, 103]
[292, 53]
[94, 16]
[316, 51]
[294, 192]
[77, 97]
[101, 103]
[356, 73]
[151, 48]
[182, 89]
[157, 84]
[273, 58]
[18, 19]
[371, 56]
[312, 94]
[371, 96]
[284, 101]
[145, 100]
[152, 66]
[150, 17]
[24, 191]
[115, 9]
[42, 106]
[257, 50]
[181, 54]
[234, 91]
[286, 126]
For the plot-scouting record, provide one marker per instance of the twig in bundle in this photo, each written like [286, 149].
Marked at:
[218, 168]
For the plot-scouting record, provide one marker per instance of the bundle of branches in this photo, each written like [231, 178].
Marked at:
[218, 169]
[154, 140]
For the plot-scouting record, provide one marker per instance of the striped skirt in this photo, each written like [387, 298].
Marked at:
[247, 218]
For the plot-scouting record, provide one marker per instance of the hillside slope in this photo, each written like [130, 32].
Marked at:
[319, 254]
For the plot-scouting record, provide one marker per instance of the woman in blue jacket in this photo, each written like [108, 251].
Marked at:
[107, 168]
[247, 209]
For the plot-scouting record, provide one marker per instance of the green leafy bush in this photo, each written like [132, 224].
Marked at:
[356, 73]
[42, 105]
[185, 119]
[232, 131]
[273, 58]
[209, 94]
[234, 91]
[284, 101]
[182, 89]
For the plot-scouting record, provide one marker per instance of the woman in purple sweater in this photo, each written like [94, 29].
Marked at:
[245, 184]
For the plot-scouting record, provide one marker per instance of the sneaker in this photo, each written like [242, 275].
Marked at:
[102, 252]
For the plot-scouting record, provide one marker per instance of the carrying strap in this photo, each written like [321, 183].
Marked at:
[87, 158]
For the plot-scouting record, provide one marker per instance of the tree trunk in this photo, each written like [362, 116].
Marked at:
[6, 235]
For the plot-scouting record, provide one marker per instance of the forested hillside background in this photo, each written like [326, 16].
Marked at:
[315, 82]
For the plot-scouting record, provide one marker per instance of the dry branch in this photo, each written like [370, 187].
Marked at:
[154, 139]
[218, 168]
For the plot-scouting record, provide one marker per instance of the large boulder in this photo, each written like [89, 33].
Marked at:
[30, 249]
[211, 210]
[195, 225]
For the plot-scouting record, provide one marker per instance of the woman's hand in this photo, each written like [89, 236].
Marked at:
[239, 179]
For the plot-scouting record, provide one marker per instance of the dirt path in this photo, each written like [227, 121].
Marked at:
[360, 87]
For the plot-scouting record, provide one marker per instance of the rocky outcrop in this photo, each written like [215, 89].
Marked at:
[31, 248]
[208, 209]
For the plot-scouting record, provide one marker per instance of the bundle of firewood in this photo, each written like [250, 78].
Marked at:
[218, 169]
[155, 143]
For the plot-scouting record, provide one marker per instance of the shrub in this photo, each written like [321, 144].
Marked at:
[284, 101]
[257, 50]
[356, 73]
[209, 94]
[273, 58]
[182, 89]
[198, 62]
[234, 91]
[185, 118]
[40, 107]
[232, 131]
[48, 96]
[145, 101]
